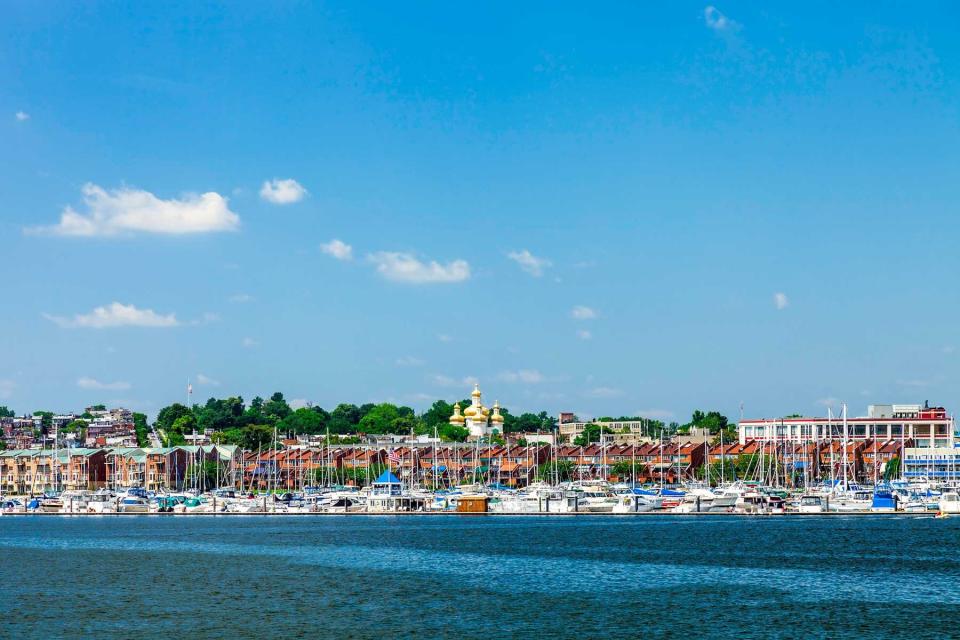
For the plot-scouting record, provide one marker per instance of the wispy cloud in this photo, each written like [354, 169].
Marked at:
[583, 334]
[285, 191]
[603, 392]
[127, 210]
[21, 116]
[444, 338]
[915, 383]
[207, 381]
[338, 249]
[241, 298]
[116, 315]
[529, 262]
[526, 376]
[829, 402]
[93, 384]
[6, 387]
[409, 361]
[781, 301]
[249, 343]
[581, 312]
[407, 269]
[446, 381]
[717, 21]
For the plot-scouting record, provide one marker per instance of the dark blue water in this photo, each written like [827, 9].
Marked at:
[479, 577]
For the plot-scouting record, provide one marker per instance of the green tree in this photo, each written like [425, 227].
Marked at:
[168, 415]
[6, 412]
[591, 433]
[277, 408]
[218, 415]
[140, 429]
[46, 421]
[74, 426]
[380, 419]
[256, 436]
[453, 433]
[344, 419]
[303, 421]
[437, 415]
[624, 469]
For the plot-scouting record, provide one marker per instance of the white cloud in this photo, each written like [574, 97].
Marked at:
[656, 414]
[717, 21]
[207, 381]
[581, 312]
[529, 262]
[409, 361]
[300, 403]
[249, 343]
[406, 268]
[208, 317]
[447, 381]
[280, 191]
[241, 298]
[21, 116]
[90, 383]
[914, 383]
[829, 402]
[527, 376]
[949, 349]
[603, 392]
[6, 388]
[583, 334]
[444, 338]
[338, 249]
[780, 301]
[116, 315]
[127, 210]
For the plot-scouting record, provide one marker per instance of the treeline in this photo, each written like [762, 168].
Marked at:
[252, 426]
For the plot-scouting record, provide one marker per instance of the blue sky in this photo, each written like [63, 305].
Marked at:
[641, 209]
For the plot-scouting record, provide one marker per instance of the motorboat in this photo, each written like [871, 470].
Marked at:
[949, 502]
[810, 503]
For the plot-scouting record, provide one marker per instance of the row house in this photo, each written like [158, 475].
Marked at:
[166, 468]
[865, 460]
[34, 471]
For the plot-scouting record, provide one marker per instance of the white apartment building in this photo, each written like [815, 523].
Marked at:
[925, 426]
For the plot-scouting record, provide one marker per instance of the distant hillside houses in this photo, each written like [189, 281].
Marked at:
[95, 427]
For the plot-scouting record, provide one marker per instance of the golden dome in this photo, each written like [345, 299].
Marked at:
[476, 391]
[496, 413]
[456, 418]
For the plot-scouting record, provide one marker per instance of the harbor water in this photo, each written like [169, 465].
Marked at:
[480, 577]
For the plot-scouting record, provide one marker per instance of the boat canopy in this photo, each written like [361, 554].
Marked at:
[387, 477]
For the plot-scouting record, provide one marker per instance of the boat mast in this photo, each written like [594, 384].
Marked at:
[845, 436]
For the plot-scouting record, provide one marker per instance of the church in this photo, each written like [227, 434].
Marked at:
[480, 421]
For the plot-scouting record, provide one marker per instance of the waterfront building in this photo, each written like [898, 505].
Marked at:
[934, 463]
[620, 431]
[926, 426]
[479, 421]
[26, 471]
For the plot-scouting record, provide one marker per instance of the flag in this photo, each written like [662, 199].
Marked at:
[394, 457]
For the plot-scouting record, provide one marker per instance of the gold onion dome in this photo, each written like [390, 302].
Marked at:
[456, 417]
